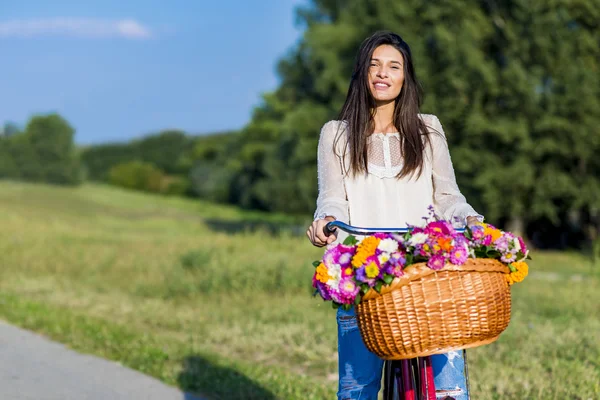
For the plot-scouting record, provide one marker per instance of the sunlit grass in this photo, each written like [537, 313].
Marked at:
[168, 293]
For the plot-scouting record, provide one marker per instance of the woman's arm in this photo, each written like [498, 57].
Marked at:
[448, 200]
[331, 201]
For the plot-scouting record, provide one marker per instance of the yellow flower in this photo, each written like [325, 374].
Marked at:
[521, 271]
[322, 273]
[372, 270]
[494, 233]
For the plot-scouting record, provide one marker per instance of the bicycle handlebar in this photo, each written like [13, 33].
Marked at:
[330, 227]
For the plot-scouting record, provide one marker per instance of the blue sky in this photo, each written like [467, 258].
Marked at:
[118, 70]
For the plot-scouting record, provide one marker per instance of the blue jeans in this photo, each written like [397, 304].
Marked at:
[360, 370]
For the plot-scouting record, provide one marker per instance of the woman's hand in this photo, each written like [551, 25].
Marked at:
[472, 221]
[317, 236]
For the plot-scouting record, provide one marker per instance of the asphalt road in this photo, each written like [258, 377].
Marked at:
[35, 368]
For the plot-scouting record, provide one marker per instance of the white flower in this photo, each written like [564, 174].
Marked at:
[335, 271]
[417, 238]
[383, 258]
[516, 244]
[345, 258]
[388, 245]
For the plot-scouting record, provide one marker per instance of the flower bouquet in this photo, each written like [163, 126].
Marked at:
[432, 276]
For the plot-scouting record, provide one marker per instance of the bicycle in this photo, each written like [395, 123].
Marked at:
[415, 379]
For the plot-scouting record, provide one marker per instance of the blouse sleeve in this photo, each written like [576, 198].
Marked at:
[448, 200]
[332, 199]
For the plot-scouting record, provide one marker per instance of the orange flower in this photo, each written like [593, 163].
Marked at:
[365, 249]
[322, 273]
[445, 243]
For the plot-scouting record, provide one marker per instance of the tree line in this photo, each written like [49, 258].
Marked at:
[516, 85]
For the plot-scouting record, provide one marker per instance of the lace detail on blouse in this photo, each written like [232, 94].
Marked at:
[384, 155]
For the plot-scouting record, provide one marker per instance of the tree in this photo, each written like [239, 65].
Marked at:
[50, 138]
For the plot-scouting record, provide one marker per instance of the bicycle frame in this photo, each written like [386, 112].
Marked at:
[409, 379]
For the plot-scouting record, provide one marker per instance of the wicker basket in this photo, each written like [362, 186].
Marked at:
[429, 312]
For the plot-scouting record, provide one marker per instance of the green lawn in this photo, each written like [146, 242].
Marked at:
[165, 286]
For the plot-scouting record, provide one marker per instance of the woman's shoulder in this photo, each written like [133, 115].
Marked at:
[333, 125]
[333, 129]
[431, 120]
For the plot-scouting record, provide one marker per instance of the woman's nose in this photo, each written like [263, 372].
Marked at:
[381, 72]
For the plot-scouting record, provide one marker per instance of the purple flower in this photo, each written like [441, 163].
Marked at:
[361, 276]
[436, 262]
[502, 244]
[324, 291]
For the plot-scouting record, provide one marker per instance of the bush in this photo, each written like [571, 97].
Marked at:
[137, 175]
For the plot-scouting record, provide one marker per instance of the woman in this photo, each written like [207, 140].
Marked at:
[382, 164]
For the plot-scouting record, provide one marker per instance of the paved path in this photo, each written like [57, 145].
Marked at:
[35, 368]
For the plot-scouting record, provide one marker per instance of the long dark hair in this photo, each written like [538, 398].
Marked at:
[359, 108]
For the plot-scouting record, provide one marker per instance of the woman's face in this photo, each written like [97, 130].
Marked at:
[386, 73]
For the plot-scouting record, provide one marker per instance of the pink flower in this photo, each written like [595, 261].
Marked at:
[459, 255]
[436, 262]
[338, 254]
[487, 240]
[523, 246]
[348, 290]
[477, 232]
[439, 228]
[508, 257]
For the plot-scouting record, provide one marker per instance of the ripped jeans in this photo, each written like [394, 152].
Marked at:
[360, 370]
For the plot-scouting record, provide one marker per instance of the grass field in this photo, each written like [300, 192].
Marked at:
[167, 286]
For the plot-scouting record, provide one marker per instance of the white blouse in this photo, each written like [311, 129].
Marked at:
[378, 199]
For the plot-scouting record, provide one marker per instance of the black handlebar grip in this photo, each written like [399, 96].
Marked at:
[327, 230]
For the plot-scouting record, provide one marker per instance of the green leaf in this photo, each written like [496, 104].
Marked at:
[378, 286]
[357, 299]
[316, 263]
[350, 241]
[468, 234]
[364, 287]
[335, 305]
[512, 268]
[409, 259]
[493, 254]
[316, 292]
[388, 279]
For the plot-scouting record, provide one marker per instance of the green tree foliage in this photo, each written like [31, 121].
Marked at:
[99, 159]
[515, 84]
[43, 152]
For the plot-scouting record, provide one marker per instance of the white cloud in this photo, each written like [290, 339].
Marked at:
[75, 27]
